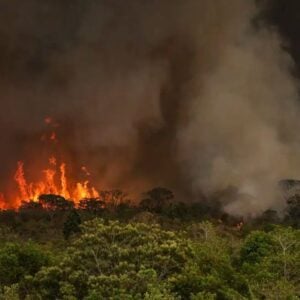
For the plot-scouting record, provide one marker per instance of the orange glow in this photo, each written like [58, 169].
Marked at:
[85, 170]
[51, 122]
[21, 181]
[48, 120]
[53, 180]
[63, 180]
[52, 161]
[53, 137]
[2, 202]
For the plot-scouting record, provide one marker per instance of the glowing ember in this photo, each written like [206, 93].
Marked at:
[85, 170]
[48, 120]
[53, 136]
[51, 122]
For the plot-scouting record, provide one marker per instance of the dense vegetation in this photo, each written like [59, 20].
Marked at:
[107, 248]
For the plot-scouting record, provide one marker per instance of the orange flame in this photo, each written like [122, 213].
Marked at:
[63, 180]
[54, 182]
[54, 178]
[2, 202]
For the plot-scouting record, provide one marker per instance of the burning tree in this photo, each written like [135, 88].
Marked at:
[55, 202]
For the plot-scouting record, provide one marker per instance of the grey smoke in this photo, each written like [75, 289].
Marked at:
[190, 95]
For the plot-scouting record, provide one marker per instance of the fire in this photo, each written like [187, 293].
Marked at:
[54, 181]
[2, 202]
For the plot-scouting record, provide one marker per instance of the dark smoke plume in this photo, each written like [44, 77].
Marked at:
[192, 95]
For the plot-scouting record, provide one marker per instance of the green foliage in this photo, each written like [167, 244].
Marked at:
[271, 262]
[210, 274]
[157, 199]
[293, 210]
[204, 296]
[72, 224]
[18, 260]
[256, 246]
[10, 293]
[181, 259]
[115, 261]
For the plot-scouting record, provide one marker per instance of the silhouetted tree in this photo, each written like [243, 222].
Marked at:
[293, 210]
[92, 205]
[266, 220]
[55, 202]
[178, 210]
[113, 198]
[157, 199]
[72, 224]
[30, 205]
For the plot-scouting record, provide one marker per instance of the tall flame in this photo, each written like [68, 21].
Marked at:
[54, 181]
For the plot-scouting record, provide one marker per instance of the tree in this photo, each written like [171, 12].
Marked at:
[287, 248]
[115, 261]
[178, 210]
[92, 205]
[10, 293]
[72, 224]
[271, 262]
[17, 261]
[268, 218]
[293, 211]
[255, 247]
[210, 275]
[113, 198]
[55, 203]
[30, 205]
[157, 199]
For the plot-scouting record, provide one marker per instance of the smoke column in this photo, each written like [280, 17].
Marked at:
[191, 95]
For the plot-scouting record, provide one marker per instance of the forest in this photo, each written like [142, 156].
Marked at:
[189, 106]
[110, 248]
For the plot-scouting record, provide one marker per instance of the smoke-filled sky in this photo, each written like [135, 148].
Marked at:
[192, 95]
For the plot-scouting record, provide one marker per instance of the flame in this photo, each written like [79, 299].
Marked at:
[52, 161]
[21, 181]
[51, 137]
[2, 202]
[63, 180]
[54, 181]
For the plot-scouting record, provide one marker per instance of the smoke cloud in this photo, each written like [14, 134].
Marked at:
[192, 95]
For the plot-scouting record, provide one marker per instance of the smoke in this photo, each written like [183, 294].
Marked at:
[191, 95]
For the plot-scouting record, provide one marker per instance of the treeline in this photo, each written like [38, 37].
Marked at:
[160, 248]
[51, 212]
[114, 260]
